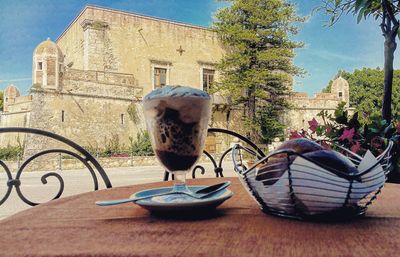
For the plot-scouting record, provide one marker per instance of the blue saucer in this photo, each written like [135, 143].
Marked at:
[180, 202]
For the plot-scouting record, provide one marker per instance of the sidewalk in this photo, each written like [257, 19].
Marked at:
[80, 181]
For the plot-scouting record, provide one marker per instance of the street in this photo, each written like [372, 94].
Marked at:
[80, 181]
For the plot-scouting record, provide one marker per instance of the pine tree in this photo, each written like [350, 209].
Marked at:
[257, 68]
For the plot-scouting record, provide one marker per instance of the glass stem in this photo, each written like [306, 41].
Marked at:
[180, 181]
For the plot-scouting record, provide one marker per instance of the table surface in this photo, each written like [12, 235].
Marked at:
[75, 226]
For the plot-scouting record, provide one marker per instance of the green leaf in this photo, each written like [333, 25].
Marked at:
[320, 131]
[359, 4]
[374, 130]
[360, 15]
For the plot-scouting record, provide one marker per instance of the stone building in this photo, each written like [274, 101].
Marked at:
[16, 113]
[305, 108]
[105, 62]
[101, 65]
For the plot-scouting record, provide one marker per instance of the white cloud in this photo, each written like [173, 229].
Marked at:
[330, 55]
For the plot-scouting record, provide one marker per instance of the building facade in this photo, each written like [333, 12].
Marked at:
[305, 108]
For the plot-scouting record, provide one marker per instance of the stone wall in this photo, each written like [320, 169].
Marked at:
[13, 119]
[100, 84]
[134, 44]
[72, 45]
[55, 163]
[89, 121]
[17, 114]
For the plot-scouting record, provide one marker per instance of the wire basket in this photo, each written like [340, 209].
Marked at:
[302, 188]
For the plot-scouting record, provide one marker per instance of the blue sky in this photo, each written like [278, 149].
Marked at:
[347, 45]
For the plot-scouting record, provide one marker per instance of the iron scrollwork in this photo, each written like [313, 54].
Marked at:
[218, 169]
[84, 157]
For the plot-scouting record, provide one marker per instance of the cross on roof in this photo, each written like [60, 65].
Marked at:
[180, 50]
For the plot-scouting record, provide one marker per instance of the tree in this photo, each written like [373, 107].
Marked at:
[365, 85]
[257, 68]
[386, 11]
[1, 100]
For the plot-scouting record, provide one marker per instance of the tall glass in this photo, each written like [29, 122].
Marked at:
[177, 120]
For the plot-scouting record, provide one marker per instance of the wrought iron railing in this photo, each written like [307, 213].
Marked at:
[93, 165]
[217, 164]
[81, 154]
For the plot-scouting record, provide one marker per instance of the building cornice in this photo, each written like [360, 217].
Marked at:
[126, 99]
[132, 14]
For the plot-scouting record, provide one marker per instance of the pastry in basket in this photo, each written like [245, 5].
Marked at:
[320, 179]
[277, 164]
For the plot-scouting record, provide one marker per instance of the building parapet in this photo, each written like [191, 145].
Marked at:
[298, 95]
[104, 77]
[86, 95]
[325, 96]
[23, 99]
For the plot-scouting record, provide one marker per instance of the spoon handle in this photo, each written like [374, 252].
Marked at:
[128, 200]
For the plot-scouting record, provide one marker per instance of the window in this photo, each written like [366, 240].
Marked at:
[340, 94]
[62, 116]
[40, 66]
[122, 119]
[208, 79]
[160, 77]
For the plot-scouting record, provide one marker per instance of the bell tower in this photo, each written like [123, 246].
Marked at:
[47, 65]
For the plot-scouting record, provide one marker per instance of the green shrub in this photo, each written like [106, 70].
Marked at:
[141, 146]
[111, 147]
[11, 152]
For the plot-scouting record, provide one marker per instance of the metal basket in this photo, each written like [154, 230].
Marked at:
[302, 188]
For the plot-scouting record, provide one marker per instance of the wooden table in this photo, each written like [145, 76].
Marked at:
[75, 226]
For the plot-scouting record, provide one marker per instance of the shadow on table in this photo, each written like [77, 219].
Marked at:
[192, 215]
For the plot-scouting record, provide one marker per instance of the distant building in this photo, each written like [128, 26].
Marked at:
[16, 113]
[306, 108]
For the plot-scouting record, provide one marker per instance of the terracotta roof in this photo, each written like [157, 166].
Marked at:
[11, 91]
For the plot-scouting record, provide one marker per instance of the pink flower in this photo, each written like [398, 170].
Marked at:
[347, 134]
[355, 147]
[313, 124]
[294, 134]
[328, 130]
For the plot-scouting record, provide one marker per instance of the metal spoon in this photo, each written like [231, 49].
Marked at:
[198, 194]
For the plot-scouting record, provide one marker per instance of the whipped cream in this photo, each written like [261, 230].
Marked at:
[176, 91]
